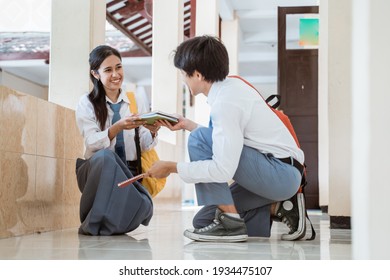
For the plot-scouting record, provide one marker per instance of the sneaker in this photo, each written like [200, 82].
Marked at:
[292, 213]
[224, 228]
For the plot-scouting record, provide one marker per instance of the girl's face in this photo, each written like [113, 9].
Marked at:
[110, 74]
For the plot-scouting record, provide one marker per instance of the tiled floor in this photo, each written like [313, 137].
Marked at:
[163, 240]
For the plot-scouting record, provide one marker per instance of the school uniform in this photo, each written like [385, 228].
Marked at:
[106, 209]
[244, 144]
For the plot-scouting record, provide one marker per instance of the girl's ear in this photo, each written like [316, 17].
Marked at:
[95, 74]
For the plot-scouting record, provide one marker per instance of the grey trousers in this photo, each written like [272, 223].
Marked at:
[106, 209]
[260, 180]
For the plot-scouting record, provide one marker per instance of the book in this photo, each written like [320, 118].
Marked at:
[153, 116]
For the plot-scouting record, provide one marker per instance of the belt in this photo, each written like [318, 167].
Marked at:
[293, 162]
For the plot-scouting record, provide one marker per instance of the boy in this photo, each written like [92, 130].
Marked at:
[245, 142]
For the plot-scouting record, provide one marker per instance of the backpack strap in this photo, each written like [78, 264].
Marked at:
[134, 110]
[133, 103]
[283, 117]
[277, 102]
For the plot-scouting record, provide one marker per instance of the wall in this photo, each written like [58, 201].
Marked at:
[11, 81]
[266, 89]
[39, 144]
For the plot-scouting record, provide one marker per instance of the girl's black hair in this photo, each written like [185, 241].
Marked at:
[98, 94]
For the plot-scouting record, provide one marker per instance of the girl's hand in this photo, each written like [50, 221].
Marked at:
[154, 128]
[131, 122]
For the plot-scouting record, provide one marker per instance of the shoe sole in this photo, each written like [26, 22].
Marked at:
[211, 238]
[301, 231]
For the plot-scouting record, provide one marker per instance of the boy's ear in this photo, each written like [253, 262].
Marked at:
[198, 75]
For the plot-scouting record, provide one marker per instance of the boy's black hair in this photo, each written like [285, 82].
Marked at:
[205, 54]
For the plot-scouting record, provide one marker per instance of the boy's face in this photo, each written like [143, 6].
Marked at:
[195, 83]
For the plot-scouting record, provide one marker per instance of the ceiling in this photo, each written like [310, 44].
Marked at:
[257, 46]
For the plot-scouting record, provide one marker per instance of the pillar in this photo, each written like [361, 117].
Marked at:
[339, 111]
[207, 23]
[323, 117]
[230, 31]
[167, 85]
[167, 93]
[76, 28]
[370, 130]
[229, 36]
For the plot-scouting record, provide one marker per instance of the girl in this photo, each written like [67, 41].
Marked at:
[104, 119]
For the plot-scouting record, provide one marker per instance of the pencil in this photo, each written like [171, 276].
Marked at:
[130, 181]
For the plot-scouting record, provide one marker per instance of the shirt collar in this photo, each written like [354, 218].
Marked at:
[122, 97]
[213, 92]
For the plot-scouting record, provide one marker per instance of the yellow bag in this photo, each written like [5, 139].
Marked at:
[153, 185]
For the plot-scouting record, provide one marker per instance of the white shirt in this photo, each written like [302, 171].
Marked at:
[240, 117]
[96, 139]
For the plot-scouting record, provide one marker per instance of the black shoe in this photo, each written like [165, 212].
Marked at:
[224, 228]
[292, 212]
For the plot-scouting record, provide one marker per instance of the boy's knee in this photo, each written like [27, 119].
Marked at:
[197, 134]
[198, 142]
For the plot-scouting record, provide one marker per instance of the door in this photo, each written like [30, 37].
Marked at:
[298, 88]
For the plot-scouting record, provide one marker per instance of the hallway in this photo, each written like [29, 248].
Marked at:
[163, 240]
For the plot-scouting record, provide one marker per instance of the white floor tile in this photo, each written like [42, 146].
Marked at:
[163, 240]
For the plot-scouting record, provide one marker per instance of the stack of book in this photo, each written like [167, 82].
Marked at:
[154, 116]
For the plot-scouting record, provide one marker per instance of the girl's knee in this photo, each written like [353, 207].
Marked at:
[102, 156]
